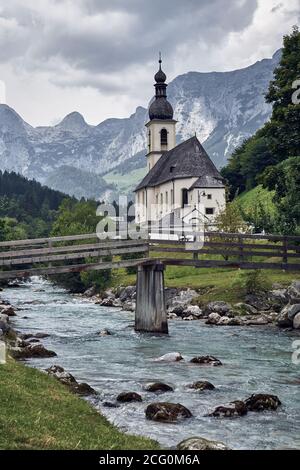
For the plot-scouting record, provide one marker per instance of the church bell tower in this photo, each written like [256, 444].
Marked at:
[161, 134]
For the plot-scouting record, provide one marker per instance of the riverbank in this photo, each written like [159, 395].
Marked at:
[37, 412]
[125, 361]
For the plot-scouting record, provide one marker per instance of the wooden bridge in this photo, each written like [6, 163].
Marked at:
[69, 254]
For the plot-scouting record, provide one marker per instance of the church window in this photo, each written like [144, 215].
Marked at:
[184, 197]
[149, 140]
[209, 196]
[164, 137]
[161, 198]
[209, 210]
[167, 198]
[172, 196]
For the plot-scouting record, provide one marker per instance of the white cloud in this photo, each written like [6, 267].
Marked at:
[99, 56]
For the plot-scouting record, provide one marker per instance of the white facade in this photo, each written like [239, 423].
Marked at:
[187, 181]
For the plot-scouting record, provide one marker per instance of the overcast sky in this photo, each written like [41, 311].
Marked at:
[98, 57]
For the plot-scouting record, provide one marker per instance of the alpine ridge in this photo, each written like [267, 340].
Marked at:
[222, 108]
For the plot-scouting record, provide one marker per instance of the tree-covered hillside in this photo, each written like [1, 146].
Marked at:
[27, 209]
[271, 157]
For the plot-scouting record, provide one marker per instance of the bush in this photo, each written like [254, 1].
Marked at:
[251, 282]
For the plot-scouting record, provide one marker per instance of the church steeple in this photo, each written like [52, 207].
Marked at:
[160, 108]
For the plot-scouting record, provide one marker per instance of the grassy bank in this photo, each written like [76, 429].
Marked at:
[37, 412]
[213, 283]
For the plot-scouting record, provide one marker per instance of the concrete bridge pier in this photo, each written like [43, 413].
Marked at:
[150, 312]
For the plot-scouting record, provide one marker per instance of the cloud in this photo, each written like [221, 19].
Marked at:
[106, 50]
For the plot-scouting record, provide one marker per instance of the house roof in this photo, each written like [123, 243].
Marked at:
[186, 160]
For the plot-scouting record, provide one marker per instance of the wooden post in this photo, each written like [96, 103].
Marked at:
[285, 250]
[150, 312]
[240, 240]
[49, 246]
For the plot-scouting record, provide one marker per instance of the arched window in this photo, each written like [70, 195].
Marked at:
[184, 197]
[163, 137]
[149, 140]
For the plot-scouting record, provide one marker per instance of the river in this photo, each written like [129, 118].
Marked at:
[255, 359]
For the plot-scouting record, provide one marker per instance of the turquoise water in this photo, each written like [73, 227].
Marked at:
[255, 359]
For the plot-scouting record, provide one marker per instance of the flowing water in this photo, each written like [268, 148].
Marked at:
[255, 359]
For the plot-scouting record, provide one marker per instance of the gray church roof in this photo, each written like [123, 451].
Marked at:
[186, 160]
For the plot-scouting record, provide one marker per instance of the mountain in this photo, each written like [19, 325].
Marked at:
[223, 108]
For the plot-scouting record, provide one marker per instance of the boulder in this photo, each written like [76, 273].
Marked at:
[194, 311]
[31, 351]
[129, 306]
[259, 301]
[41, 335]
[202, 385]
[218, 306]
[158, 387]
[292, 310]
[182, 299]
[189, 318]
[235, 408]
[69, 380]
[167, 412]
[169, 357]
[293, 292]
[108, 302]
[258, 321]
[261, 402]
[279, 298]
[177, 310]
[104, 332]
[9, 311]
[127, 293]
[128, 397]
[213, 318]
[283, 319]
[90, 292]
[206, 360]
[245, 309]
[172, 316]
[4, 326]
[296, 321]
[200, 443]
[110, 404]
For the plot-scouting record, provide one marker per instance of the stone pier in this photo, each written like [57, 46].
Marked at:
[150, 313]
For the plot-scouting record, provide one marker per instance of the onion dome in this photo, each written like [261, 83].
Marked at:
[160, 108]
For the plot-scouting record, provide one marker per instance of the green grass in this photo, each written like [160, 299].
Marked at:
[213, 283]
[250, 200]
[125, 182]
[37, 412]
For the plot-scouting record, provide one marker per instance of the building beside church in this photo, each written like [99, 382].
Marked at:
[181, 179]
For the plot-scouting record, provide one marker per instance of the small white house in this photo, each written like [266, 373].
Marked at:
[181, 179]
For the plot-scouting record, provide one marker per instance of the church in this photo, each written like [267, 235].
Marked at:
[181, 179]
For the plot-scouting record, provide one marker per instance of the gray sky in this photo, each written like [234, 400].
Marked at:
[98, 57]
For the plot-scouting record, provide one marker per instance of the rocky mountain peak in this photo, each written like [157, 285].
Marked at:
[73, 122]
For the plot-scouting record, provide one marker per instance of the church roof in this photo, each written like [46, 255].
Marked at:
[186, 160]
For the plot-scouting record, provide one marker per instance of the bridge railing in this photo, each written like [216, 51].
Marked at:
[57, 255]
[230, 249]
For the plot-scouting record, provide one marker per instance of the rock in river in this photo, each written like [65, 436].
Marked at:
[202, 385]
[170, 357]
[262, 401]
[206, 360]
[67, 379]
[158, 387]
[167, 412]
[127, 397]
[236, 408]
[32, 350]
[200, 443]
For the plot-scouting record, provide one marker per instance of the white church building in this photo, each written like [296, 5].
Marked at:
[182, 180]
